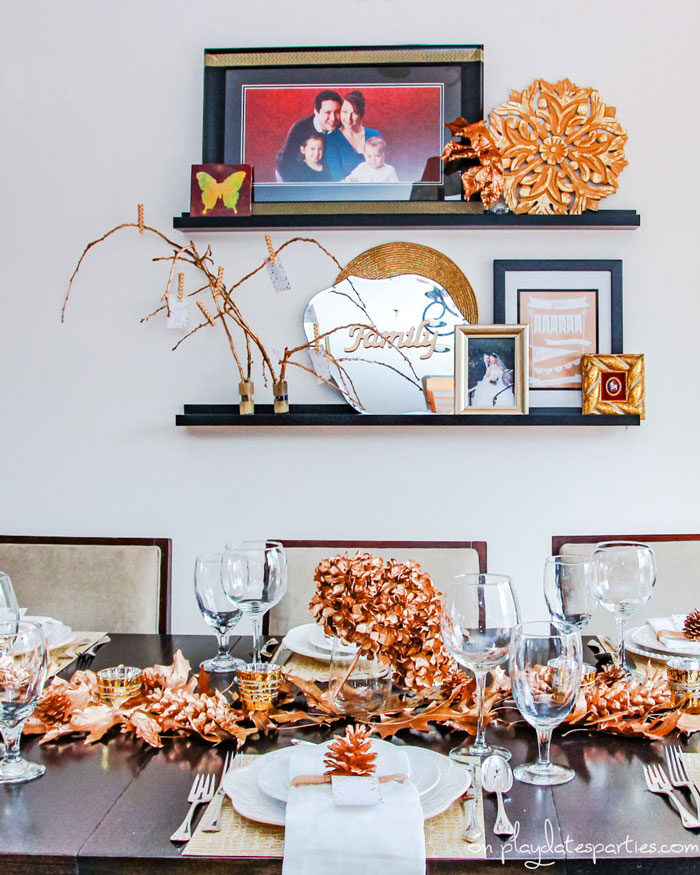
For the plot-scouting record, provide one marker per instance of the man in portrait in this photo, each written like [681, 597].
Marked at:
[324, 119]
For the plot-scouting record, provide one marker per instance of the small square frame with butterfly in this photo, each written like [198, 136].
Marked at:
[221, 189]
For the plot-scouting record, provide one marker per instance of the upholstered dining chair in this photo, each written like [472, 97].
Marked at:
[442, 560]
[110, 584]
[677, 589]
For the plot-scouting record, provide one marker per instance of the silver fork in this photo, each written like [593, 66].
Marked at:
[678, 773]
[202, 790]
[657, 782]
[211, 822]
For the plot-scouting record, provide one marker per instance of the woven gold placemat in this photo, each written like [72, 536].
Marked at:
[692, 763]
[240, 837]
[63, 656]
[306, 668]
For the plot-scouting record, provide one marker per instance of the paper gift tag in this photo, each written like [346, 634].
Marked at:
[350, 790]
[278, 275]
[178, 314]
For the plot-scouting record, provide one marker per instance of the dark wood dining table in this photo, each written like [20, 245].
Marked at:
[110, 807]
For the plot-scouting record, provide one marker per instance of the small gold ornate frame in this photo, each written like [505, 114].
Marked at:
[613, 384]
[491, 387]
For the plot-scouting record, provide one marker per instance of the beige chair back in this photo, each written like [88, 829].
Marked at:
[100, 586]
[441, 560]
[677, 589]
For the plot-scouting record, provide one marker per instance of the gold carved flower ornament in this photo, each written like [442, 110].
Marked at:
[562, 148]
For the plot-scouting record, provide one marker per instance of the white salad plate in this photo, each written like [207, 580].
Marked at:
[241, 786]
[57, 634]
[318, 639]
[272, 769]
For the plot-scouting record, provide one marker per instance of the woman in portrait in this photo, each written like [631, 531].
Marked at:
[345, 147]
[495, 384]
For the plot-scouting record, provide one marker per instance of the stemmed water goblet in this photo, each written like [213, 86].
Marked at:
[9, 609]
[216, 609]
[23, 665]
[624, 574]
[545, 673]
[569, 591]
[255, 579]
[479, 612]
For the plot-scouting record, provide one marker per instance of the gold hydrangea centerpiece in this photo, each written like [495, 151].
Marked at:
[562, 148]
[390, 610]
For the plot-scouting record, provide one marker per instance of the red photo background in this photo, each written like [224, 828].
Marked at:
[408, 117]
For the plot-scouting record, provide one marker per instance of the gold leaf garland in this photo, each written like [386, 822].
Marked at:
[562, 148]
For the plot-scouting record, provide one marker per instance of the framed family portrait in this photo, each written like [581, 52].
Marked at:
[340, 125]
[572, 307]
[491, 369]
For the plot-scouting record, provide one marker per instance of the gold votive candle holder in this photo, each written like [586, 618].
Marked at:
[259, 684]
[684, 680]
[119, 682]
[588, 676]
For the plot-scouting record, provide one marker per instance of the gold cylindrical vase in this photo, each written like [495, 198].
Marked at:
[279, 390]
[245, 390]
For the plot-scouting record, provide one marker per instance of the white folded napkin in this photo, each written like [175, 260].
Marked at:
[673, 623]
[321, 838]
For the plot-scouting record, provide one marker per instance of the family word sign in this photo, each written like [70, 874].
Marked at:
[379, 340]
[412, 338]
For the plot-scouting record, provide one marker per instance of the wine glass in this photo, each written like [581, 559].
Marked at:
[216, 608]
[479, 612]
[255, 579]
[568, 591]
[545, 674]
[9, 610]
[23, 667]
[624, 574]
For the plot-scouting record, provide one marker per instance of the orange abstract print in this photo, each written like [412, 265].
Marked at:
[563, 326]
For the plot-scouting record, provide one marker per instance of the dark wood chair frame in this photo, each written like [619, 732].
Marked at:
[559, 540]
[165, 576]
[368, 546]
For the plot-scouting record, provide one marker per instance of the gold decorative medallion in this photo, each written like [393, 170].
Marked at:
[562, 148]
[613, 384]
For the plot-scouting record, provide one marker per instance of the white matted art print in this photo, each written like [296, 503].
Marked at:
[571, 308]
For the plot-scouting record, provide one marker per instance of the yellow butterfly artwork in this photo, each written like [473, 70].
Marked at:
[228, 190]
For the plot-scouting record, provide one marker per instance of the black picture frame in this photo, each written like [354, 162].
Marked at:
[601, 279]
[230, 74]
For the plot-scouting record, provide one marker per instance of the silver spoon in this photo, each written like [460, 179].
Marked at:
[497, 777]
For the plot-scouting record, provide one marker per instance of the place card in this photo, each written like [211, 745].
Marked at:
[179, 316]
[278, 275]
[352, 790]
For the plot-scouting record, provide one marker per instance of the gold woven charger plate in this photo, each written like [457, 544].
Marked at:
[397, 259]
[240, 837]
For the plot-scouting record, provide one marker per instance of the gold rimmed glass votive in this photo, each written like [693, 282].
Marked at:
[684, 680]
[588, 676]
[119, 682]
[259, 684]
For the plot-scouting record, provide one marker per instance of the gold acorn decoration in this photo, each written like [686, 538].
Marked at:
[351, 754]
[691, 627]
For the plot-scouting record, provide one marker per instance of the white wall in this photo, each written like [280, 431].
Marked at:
[101, 109]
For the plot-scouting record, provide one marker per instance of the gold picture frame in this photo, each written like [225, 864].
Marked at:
[491, 373]
[613, 384]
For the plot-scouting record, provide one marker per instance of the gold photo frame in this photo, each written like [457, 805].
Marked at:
[491, 369]
[613, 384]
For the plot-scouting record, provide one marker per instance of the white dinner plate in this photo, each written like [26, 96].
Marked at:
[298, 640]
[645, 637]
[318, 639]
[57, 633]
[241, 786]
[272, 769]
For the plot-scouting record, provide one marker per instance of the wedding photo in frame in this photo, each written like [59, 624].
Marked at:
[341, 125]
[491, 369]
[572, 307]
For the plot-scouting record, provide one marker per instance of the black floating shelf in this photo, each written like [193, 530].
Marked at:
[600, 220]
[341, 414]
